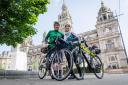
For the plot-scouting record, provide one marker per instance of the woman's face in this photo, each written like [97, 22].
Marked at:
[67, 28]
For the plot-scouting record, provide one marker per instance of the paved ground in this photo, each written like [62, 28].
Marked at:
[109, 79]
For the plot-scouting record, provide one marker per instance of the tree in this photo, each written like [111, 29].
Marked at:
[17, 18]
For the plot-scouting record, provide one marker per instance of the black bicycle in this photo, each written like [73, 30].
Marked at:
[87, 59]
[58, 61]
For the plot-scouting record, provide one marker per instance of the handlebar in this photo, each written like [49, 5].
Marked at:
[60, 41]
[85, 43]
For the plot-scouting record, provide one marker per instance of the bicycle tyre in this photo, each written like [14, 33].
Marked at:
[69, 66]
[96, 68]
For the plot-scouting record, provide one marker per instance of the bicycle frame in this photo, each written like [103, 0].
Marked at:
[87, 51]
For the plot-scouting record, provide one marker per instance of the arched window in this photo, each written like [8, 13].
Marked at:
[113, 58]
[101, 19]
[109, 44]
[109, 17]
[110, 29]
[104, 17]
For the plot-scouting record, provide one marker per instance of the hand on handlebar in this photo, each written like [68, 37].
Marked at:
[71, 43]
[45, 45]
[83, 41]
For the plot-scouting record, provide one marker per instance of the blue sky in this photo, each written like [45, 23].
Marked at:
[83, 13]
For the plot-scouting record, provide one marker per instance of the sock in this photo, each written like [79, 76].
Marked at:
[60, 73]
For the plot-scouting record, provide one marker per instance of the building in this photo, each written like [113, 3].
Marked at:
[34, 56]
[5, 61]
[108, 38]
[64, 17]
[16, 59]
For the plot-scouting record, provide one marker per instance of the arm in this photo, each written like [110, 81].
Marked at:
[46, 38]
[62, 36]
[75, 38]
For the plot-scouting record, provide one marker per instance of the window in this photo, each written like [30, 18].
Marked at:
[100, 19]
[107, 30]
[104, 30]
[110, 44]
[113, 58]
[110, 29]
[109, 16]
[104, 16]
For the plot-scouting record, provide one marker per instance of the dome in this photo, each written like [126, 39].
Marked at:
[103, 8]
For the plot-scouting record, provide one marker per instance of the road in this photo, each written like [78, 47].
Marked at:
[109, 79]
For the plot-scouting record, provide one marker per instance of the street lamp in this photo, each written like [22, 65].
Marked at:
[122, 37]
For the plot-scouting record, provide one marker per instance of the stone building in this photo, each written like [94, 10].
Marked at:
[108, 38]
[5, 60]
[64, 17]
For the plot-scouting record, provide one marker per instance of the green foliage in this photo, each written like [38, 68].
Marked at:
[17, 18]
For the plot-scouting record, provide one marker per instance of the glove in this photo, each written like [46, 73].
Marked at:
[71, 42]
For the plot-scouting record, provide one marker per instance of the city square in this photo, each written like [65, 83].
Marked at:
[107, 32]
[109, 79]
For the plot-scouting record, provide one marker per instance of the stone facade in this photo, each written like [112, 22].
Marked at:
[64, 18]
[108, 38]
[33, 57]
[5, 60]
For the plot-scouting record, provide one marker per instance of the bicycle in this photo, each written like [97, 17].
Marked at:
[54, 61]
[90, 55]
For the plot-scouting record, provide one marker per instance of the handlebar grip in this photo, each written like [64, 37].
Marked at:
[84, 43]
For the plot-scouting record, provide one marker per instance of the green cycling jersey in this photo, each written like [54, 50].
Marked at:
[51, 36]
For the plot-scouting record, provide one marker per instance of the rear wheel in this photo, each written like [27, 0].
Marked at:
[42, 69]
[97, 67]
[61, 64]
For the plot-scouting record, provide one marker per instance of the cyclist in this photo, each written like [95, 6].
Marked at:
[50, 40]
[73, 40]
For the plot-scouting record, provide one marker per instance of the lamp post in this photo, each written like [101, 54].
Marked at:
[122, 37]
[121, 33]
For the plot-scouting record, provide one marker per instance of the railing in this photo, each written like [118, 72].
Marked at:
[14, 74]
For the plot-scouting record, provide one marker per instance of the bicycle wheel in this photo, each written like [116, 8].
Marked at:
[97, 67]
[42, 69]
[61, 64]
[79, 64]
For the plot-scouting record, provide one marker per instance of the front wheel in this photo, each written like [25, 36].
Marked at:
[61, 64]
[97, 67]
[79, 64]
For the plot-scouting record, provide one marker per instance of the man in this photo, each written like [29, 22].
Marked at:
[50, 43]
[51, 36]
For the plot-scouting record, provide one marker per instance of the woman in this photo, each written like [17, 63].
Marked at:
[73, 40]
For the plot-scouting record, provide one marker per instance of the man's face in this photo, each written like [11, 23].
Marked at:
[56, 26]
